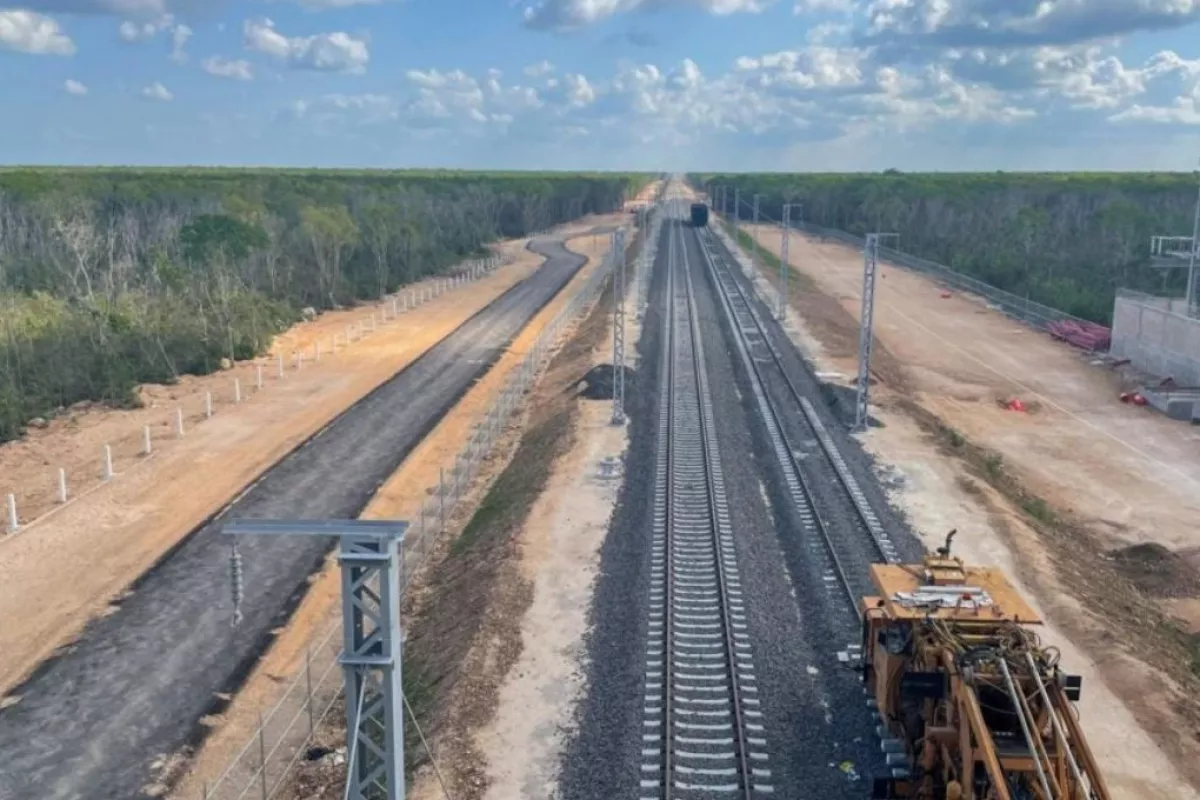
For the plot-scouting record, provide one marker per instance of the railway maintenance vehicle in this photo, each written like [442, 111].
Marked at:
[971, 705]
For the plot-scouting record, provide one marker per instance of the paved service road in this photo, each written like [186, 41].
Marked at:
[134, 685]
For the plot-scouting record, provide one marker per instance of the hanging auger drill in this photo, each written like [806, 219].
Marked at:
[971, 705]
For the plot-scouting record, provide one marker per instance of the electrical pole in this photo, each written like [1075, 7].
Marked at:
[866, 328]
[756, 198]
[370, 557]
[784, 260]
[737, 212]
[618, 253]
[1192, 309]
[781, 313]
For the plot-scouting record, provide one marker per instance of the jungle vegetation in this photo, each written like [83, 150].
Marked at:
[1067, 240]
[113, 277]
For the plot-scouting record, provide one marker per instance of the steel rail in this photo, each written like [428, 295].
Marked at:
[866, 515]
[800, 491]
[710, 732]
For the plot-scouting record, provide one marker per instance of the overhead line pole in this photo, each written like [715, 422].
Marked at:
[1192, 310]
[866, 329]
[784, 260]
[618, 253]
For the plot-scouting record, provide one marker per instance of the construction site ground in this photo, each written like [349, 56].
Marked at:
[1088, 503]
[398, 498]
[105, 538]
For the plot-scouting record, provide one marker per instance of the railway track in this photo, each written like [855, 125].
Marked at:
[808, 455]
[702, 733]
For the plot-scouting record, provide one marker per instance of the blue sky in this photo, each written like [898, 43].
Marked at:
[604, 84]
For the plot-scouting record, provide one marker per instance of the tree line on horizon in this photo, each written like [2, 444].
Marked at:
[110, 278]
[1066, 240]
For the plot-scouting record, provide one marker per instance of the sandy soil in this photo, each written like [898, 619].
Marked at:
[1129, 475]
[399, 497]
[559, 551]
[103, 541]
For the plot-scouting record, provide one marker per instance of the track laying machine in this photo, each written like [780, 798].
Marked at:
[971, 705]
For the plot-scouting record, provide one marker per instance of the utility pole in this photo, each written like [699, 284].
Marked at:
[737, 212]
[866, 328]
[784, 261]
[1192, 289]
[370, 557]
[618, 253]
[756, 198]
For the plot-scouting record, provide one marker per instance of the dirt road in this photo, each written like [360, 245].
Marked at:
[135, 682]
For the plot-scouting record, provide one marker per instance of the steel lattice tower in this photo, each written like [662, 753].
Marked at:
[369, 555]
[618, 255]
[867, 328]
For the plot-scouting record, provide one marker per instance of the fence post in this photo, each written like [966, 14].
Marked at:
[237, 390]
[62, 485]
[258, 376]
[108, 467]
[13, 522]
[312, 722]
[147, 445]
[179, 422]
[317, 348]
[442, 499]
[262, 756]
[207, 404]
[279, 363]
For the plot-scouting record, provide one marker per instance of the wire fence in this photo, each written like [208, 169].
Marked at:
[261, 767]
[1020, 308]
[25, 510]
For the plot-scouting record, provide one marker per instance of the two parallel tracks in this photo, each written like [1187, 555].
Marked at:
[842, 559]
[702, 728]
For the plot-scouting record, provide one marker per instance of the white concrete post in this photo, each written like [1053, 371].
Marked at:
[317, 352]
[62, 485]
[108, 467]
[13, 523]
[237, 390]
[207, 405]
[147, 446]
[280, 360]
[179, 422]
[258, 377]
[395, 310]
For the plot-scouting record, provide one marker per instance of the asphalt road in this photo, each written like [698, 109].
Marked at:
[819, 734]
[133, 686]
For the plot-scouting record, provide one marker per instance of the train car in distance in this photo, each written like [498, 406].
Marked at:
[699, 215]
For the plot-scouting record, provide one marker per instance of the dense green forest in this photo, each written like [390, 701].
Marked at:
[1067, 240]
[114, 277]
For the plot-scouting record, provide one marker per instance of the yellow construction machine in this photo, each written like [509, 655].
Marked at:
[971, 706]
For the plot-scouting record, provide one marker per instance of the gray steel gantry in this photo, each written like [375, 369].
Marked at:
[369, 554]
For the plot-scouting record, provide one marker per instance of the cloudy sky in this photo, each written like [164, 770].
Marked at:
[636, 84]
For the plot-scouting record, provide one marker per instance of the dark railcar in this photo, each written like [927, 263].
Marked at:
[699, 215]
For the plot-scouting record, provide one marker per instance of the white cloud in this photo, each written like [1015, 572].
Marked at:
[156, 91]
[140, 8]
[815, 6]
[28, 32]
[179, 40]
[565, 15]
[579, 92]
[328, 52]
[139, 31]
[539, 69]
[322, 5]
[967, 23]
[238, 69]
[74, 87]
